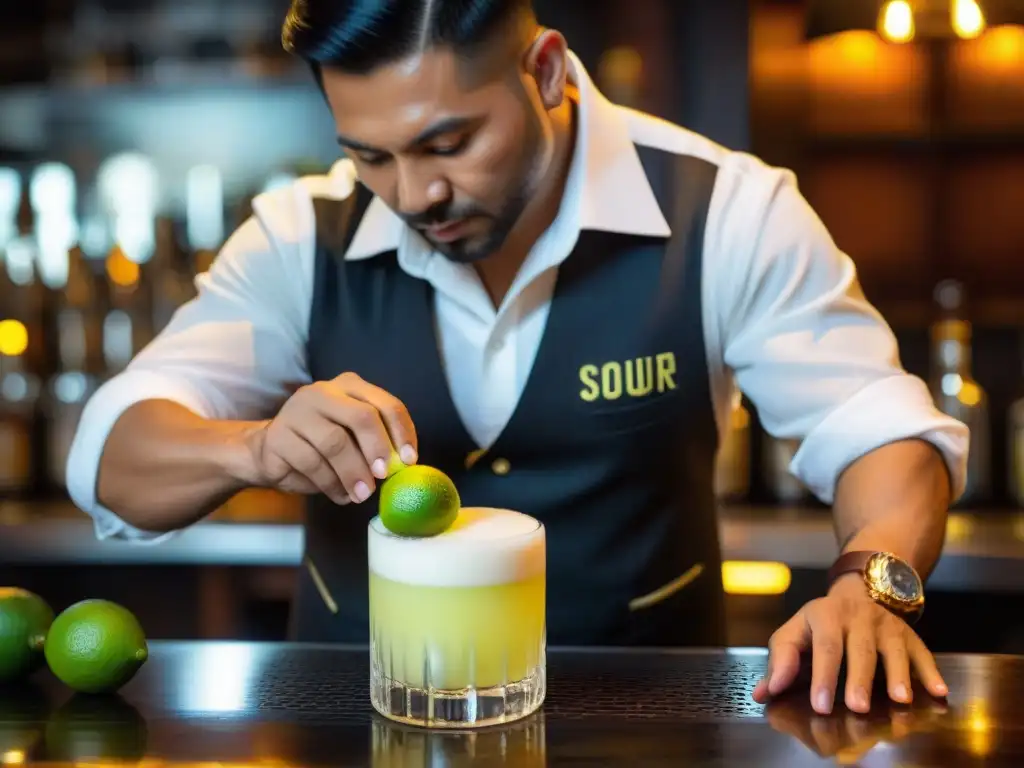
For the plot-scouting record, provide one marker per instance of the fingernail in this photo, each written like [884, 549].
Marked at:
[940, 689]
[860, 699]
[901, 692]
[823, 701]
[380, 468]
[408, 454]
[361, 491]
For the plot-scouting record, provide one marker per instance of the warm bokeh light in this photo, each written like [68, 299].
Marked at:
[121, 270]
[13, 757]
[1001, 48]
[979, 726]
[896, 21]
[755, 578]
[967, 18]
[959, 528]
[13, 338]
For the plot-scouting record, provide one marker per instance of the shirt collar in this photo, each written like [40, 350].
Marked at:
[607, 189]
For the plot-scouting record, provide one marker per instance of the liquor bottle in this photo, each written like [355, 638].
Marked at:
[1015, 439]
[732, 466]
[79, 367]
[776, 456]
[20, 344]
[955, 390]
[128, 320]
[167, 283]
[204, 203]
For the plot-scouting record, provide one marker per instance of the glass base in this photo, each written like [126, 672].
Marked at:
[463, 708]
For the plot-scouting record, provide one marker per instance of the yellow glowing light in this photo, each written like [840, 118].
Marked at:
[959, 528]
[896, 21]
[979, 727]
[753, 578]
[13, 757]
[967, 18]
[969, 394]
[13, 338]
[121, 270]
[1004, 45]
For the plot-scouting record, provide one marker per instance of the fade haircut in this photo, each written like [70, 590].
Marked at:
[357, 36]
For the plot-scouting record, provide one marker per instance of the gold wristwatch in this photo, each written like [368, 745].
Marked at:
[891, 582]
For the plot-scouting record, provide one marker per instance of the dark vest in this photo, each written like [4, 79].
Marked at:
[611, 446]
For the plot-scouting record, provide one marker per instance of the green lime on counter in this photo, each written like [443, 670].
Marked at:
[95, 646]
[418, 501]
[25, 619]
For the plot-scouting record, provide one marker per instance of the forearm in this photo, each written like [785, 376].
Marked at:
[164, 467]
[895, 499]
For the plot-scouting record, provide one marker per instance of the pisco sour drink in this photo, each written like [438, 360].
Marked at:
[457, 628]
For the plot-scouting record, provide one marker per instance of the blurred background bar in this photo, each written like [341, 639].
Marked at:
[134, 136]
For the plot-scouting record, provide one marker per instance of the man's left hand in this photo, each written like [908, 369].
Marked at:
[847, 619]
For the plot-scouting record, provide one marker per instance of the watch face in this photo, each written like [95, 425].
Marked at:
[905, 583]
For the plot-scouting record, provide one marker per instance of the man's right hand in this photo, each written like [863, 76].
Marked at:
[333, 437]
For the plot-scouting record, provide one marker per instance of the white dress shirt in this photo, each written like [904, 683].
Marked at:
[783, 314]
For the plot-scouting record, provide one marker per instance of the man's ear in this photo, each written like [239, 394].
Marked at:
[547, 62]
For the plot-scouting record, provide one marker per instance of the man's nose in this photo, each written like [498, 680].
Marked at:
[419, 190]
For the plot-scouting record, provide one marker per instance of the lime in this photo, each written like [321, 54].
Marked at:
[24, 621]
[418, 501]
[96, 646]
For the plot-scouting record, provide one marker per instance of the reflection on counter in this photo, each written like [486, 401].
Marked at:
[849, 738]
[85, 728]
[520, 745]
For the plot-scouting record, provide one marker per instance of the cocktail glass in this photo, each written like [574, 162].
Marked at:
[457, 629]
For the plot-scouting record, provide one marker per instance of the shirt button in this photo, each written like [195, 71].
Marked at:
[501, 467]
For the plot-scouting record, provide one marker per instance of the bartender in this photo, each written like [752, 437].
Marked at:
[551, 298]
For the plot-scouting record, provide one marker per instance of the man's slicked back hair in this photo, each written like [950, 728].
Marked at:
[356, 36]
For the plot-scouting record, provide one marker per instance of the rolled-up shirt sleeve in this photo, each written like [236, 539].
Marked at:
[235, 351]
[818, 361]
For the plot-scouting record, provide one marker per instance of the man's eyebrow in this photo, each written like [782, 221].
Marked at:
[358, 146]
[447, 125]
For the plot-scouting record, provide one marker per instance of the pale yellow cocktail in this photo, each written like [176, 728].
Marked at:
[457, 625]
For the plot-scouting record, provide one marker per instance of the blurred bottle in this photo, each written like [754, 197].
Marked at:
[776, 456]
[732, 466]
[956, 392]
[205, 214]
[165, 277]
[79, 359]
[1015, 435]
[128, 318]
[20, 361]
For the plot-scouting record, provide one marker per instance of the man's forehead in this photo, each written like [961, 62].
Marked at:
[434, 72]
[393, 104]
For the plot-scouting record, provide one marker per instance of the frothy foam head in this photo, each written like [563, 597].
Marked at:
[482, 547]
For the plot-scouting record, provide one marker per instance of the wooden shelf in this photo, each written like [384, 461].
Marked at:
[984, 313]
[951, 143]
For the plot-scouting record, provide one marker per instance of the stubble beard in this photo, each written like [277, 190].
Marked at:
[538, 152]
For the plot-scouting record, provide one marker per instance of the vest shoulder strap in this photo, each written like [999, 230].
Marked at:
[338, 220]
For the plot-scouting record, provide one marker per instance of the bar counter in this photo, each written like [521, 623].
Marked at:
[234, 704]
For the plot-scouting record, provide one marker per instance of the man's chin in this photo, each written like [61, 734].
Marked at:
[469, 250]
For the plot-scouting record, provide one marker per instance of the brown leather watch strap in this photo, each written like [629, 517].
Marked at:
[848, 562]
